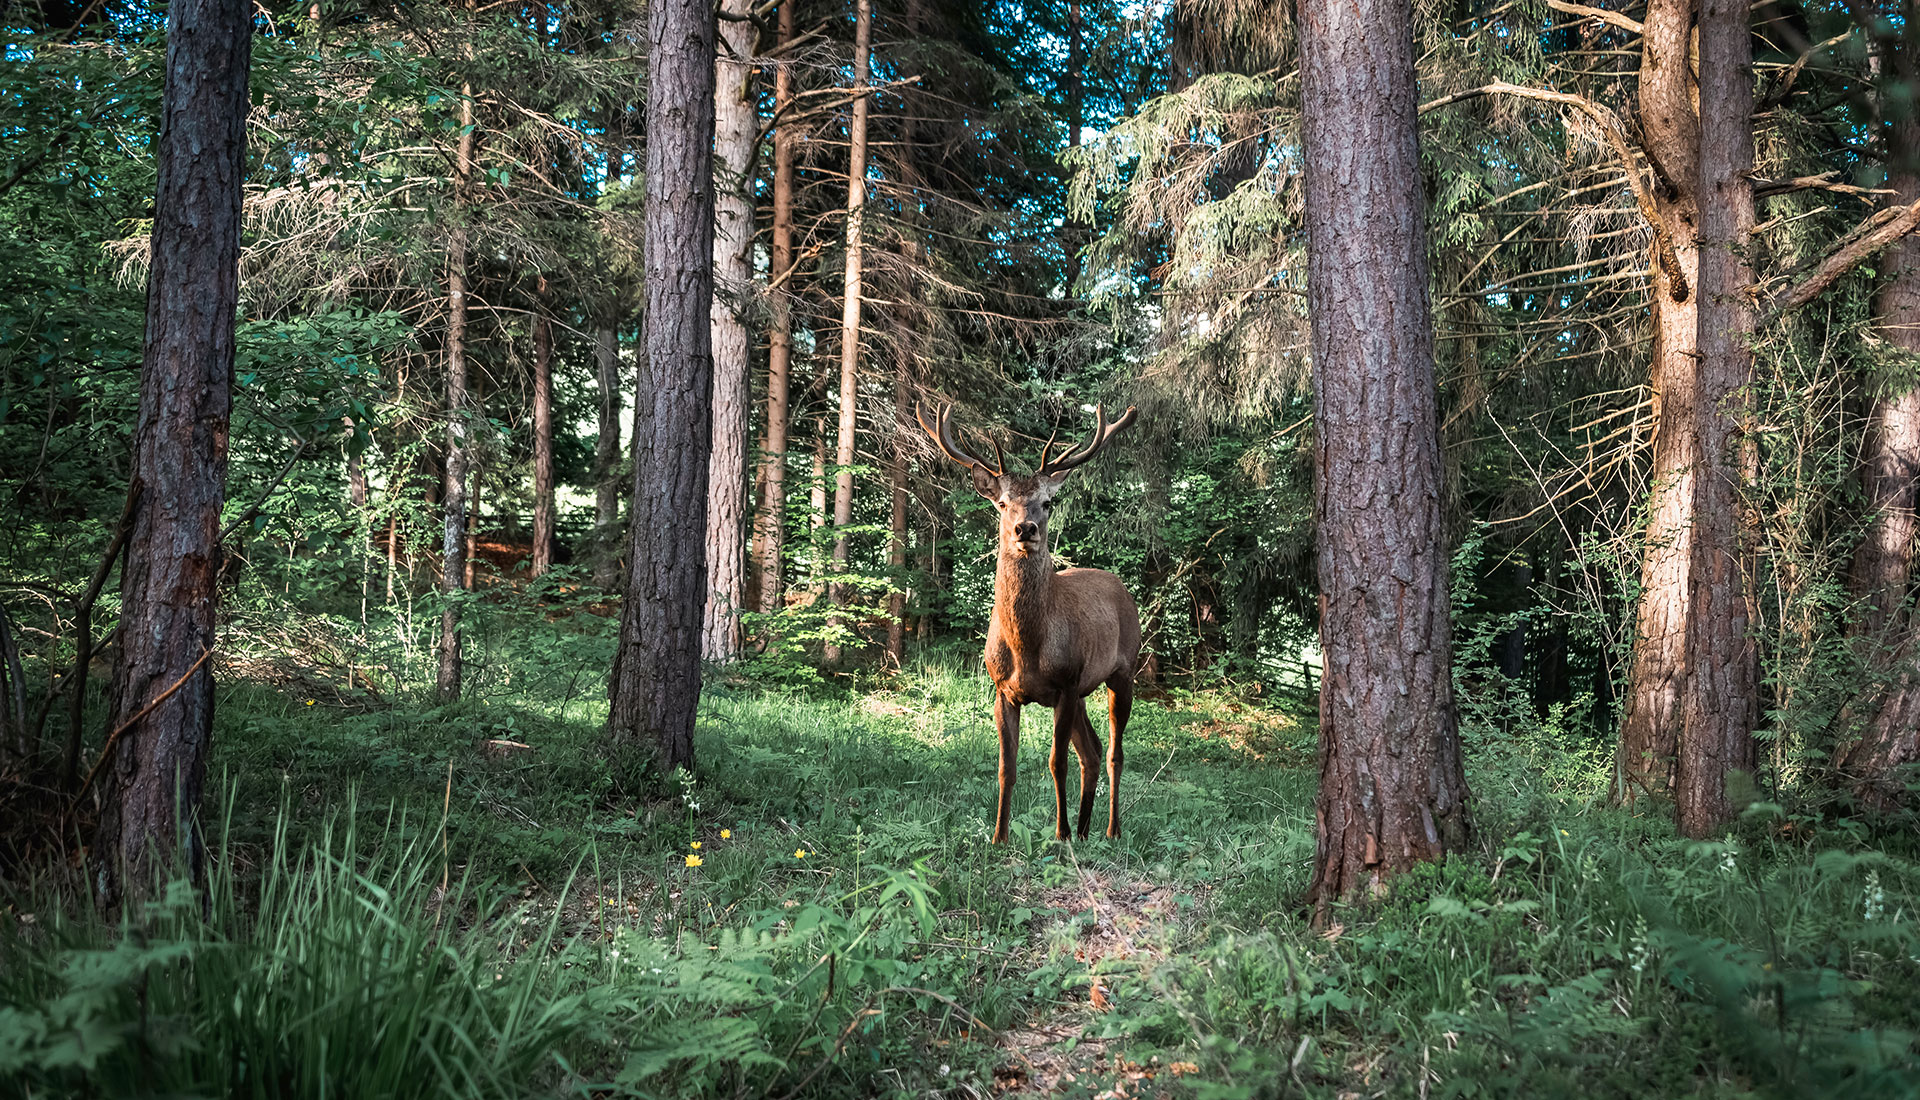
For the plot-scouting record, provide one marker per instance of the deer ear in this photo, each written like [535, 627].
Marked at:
[986, 484]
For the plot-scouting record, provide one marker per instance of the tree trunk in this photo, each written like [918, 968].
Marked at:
[770, 523]
[542, 437]
[606, 460]
[162, 692]
[817, 504]
[655, 686]
[1073, 234]
[1722, 692]
[1875, 755]
[850, 303]
[453, 496]
[736, 122]
[1392, 791]
[1650, 726]
[356, 469]
[897, 522]
[478, 482]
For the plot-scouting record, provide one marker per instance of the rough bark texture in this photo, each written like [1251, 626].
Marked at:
[1654, 714]
[897, 521]
[606, 459]
[542, 438]
[769, 530]
[817, 502]
[167, 587]
[850, 303]
[1722, 702]
[655, 687]
[453, 493]
[1392, 792]
[735, 124]
[1887, 742]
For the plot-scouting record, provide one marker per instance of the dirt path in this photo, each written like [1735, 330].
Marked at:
[1115, 927]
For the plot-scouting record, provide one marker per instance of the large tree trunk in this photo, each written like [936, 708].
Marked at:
[606, 459]
[770, 524]
[850, 303]
[162, 692]
[1392, 790]
[542, 437]
[453, 494]
[1876, 754]
[735, 124]
[655, 686]
[1650, 727]
[1722, 692]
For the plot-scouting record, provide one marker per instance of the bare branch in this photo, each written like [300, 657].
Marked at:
[1876, 232]
[1611, 18]
[1610, 127]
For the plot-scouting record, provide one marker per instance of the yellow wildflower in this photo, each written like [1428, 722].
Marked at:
[309, 702]
[726, 834]
[799, 853]
[696, 845]
[693, 861]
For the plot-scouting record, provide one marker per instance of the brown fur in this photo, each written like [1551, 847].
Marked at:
[1054, 637]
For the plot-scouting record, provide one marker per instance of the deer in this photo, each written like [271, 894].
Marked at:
[1054, 636]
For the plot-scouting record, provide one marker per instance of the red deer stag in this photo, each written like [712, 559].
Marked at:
[1054, 636]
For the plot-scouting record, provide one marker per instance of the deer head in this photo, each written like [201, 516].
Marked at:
[1024, 501]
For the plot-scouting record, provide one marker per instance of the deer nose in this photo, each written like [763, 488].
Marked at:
[1025, 531]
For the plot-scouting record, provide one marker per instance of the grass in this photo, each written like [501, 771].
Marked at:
[818, 913]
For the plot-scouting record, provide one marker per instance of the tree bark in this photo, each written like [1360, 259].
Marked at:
[655, 686]
[1722, 705]
[850, 303]
[1874, 757]
[606, 459]
[1654, 714]
[1392, 790]
[817, 504]
[897, 520]
[167, 586]
[736, 122]
[542, 437]
[770, 523]
[453, 496]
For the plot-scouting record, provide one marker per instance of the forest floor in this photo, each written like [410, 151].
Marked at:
[818, 913]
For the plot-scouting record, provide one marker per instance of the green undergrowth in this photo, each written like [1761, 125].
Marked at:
[488, 900]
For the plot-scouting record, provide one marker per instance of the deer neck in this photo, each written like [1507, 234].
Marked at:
[1020, 592]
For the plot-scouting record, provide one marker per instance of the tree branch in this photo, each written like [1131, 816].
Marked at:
[1765, 188]
[1615, 134]
[1877, 231]
[1611, 18]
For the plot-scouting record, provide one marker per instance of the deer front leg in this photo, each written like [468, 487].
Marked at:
[1063, 732]
[1006, 719]
[1087, 744]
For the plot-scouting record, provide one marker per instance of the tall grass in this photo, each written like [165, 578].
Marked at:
[340, 969]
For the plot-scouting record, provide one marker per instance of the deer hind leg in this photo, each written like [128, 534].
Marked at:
[1087, 744]
[1119, 709]
[1063, 732]
[1006, 719]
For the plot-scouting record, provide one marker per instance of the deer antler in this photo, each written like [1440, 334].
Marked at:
[1076, 456]
[943, 435]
